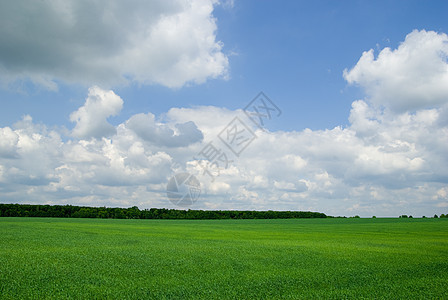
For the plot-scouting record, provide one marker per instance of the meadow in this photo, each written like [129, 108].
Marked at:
[55, 258]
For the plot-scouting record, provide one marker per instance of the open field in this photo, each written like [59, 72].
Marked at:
[223, 259]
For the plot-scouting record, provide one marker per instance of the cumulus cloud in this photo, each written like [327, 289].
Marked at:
[209, 118]
[144, 125]
[39, 167]
[32, 155]
[391, 168]
[8, 142]
[91, 118]
[110, 42]
[386, 162]
[386, 167]
[411, 77]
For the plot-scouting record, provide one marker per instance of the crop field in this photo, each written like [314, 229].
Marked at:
[46, 258]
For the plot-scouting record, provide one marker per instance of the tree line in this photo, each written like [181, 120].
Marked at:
[435, 216]
[70, 211]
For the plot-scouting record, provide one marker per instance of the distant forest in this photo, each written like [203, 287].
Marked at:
[69, 211]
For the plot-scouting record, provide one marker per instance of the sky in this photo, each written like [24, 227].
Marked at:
[339, 107]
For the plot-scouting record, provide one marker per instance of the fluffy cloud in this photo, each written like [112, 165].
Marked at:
[8, 142]
[413, 76]
[397, 166]
[110, 42]
[144, 125]
[39, 167]
[33, 153]
[387, 162]
[91, 119]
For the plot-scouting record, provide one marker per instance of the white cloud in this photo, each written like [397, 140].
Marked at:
[209, 118]
[387, 171]
[144, 126]
[386, 162]
[33, 154]
[110, 42]
[91, 119]
[411, 77]
[8, 142]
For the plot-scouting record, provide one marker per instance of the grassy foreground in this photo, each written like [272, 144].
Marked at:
[223, 259]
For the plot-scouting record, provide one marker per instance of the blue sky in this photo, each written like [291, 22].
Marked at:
[55, 57]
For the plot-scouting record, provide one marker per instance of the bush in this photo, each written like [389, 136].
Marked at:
[435, 216]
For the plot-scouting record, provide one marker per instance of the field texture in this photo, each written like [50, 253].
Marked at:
[223, 259]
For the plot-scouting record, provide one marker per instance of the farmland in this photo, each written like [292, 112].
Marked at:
[223, 259]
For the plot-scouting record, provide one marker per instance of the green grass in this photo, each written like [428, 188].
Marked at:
[223, 259]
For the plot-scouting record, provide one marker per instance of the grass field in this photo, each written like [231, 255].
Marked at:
[223, 259]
